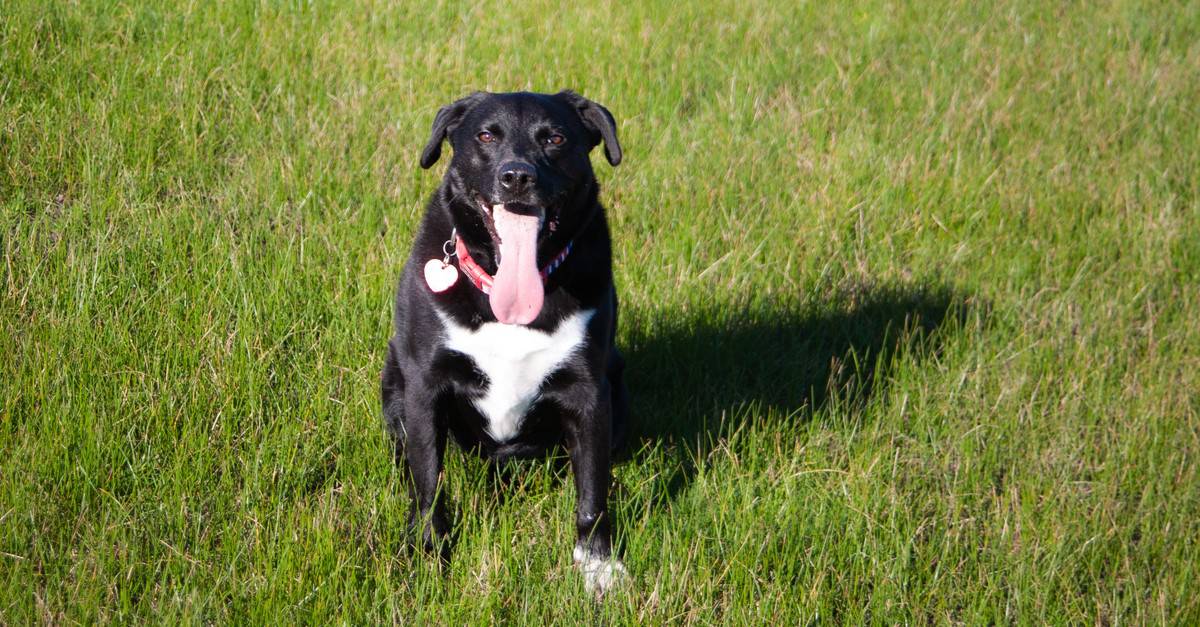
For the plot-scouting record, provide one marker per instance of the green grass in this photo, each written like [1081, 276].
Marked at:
[911, 299]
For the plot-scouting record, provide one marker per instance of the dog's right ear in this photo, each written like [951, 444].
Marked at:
[447, 118]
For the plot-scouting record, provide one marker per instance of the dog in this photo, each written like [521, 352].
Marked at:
[506, 313]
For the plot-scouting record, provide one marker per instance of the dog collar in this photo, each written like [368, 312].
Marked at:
[482, 280]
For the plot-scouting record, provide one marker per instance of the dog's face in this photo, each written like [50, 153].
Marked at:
[525, 152]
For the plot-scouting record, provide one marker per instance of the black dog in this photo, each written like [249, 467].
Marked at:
[505, 314]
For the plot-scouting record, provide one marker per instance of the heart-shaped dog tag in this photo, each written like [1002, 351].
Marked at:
[440, 276]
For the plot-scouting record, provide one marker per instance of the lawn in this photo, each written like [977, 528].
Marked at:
[911, 301]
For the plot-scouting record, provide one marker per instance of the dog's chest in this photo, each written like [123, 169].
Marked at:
[516, 360]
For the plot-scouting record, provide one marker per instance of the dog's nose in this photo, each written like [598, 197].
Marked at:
[516, 177]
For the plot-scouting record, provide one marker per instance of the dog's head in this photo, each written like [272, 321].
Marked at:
[528, 152]
[520, 184]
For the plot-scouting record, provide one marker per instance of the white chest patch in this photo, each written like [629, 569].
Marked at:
[516, 360]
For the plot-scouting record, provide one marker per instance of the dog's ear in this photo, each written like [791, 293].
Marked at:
[444, 122]
[598, 121]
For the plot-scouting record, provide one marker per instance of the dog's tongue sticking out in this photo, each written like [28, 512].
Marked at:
[517, 290]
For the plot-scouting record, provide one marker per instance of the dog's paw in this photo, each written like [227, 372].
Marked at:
[600, 574]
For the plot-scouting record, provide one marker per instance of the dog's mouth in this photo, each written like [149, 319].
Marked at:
[488, 211]
[517, 292]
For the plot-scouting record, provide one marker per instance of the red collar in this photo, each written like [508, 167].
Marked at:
[482, 280]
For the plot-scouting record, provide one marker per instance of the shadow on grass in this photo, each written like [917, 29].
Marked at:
[692, 374]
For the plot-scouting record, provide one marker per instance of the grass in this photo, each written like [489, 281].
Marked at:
[909, 294]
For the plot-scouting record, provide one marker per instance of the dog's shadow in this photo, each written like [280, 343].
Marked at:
[696, 374]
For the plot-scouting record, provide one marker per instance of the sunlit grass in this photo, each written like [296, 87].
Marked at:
[909, 295]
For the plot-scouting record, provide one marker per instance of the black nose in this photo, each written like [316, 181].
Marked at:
[516, 177]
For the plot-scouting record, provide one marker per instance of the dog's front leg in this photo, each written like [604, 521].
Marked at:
[589, 440]
[425, 443]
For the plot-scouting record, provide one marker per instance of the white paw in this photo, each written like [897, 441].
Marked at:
[600, 574]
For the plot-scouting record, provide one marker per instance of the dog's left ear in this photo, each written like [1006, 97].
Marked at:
[447, 118]
[598, 121]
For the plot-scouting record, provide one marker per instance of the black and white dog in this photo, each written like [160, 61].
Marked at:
[506, 312]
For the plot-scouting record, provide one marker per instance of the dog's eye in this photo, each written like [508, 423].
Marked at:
[486, 137]
[556, 140]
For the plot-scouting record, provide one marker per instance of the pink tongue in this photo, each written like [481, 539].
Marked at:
[517, 290]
